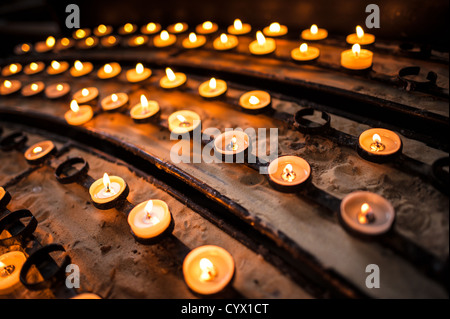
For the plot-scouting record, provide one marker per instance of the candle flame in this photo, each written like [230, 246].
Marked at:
[376, 138]
[303, 48]
[139, 40]
[101, 28]
[74, 106]
[59, 87]
[223, 38]
[37, 149]
[207, 25]
[260, 38]
[356, 48]
[151, 27]
[275, 27]
[85, 92]
[78, 65]
[365, 208]
[114, 97]
[13, 68]
[212, 84]
[128, 27]
[208, 270]
[359, 32]
[164, 35]
[33, 66]
[253, 100]
[192, 37]
[178, 27]
[148, 208]
[50, 42]
[107, 68]
[89, 41]
[314, 29]
[288, 173]
[181, 118]
[65, 42]
[25, 47]
[288, 168]
[144, 101]
[7, 84]
[55, 65]
[106, 182]
[238, 24]
[170, 75]
[34, 87]
[139, 68]
[233, 144]
[2, 265]
[111, 39]
[365, 215]
[80, 33]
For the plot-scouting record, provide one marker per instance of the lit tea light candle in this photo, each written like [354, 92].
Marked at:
[239, 28]
[138, 74]
[116, 102]
[137, 40]
[106, 192]
[64, 44]
[314, 33]
[275, 30]
[81, 33]
[56, 91]
[172, 79]
[255, 101]
[212, 88]
[261, 45]
[78, 114]
[193, 41]
[88, 43]
[86, 95]
[109, 71]
[176, 28]
[367, 213]
[165, 39]
[56, 67]
[10, 86]
[81, 68]
[103, 30]
[289, 173]
[151, 28]
[360, 37]
[40, 151]
[33, 89]
[45, 46]
[109, 41]
[127, 28]
[225, 42]
[305, 53]
[206, 27]
[10, 266]
[11, 69]
[231, 145]
[184, 121]
[356, 58]
[150, 219]
[145, 110]
[379, 144]
[34, 68]
[208, 269]
[22, 48]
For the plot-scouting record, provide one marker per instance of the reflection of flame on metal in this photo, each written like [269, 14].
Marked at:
[288, 173]
[366, 215]
[377, 146]
[209, 272]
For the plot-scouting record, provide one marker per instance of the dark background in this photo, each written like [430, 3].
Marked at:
[412, 21]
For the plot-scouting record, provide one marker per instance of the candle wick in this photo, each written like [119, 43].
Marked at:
[7, 270]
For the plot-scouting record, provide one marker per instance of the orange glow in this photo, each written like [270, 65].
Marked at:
[65, 42]
[7, 84]
[128, 27]
[151, 27]
[80, 33]
[50, 42]
[207, 25]
[101, 28]
[25, 47]
[90, 41]
[59, 87]
[13, 68]
[178, 27]
[34, 87]
[33, 66]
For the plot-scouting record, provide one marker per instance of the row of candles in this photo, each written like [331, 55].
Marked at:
[354, 59]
